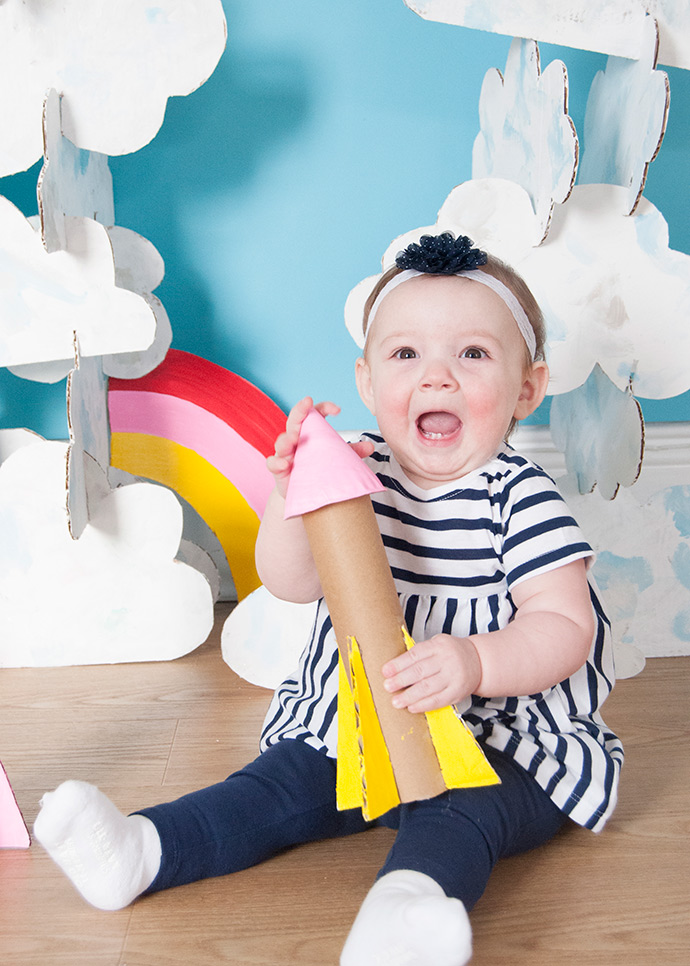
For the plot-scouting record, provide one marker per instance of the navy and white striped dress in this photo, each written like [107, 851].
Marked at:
[456, 551]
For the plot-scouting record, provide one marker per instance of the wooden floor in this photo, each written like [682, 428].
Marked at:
[148, 733]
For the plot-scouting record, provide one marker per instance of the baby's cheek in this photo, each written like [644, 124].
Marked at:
[394, 403]
[484, 403]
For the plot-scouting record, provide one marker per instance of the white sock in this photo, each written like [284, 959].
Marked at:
[110, 858]
[407, 920]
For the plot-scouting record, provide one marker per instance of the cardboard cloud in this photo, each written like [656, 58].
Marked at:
[87, 417]
[72, 182]
[263, 637]
[139, 268]
[604, 452]
[625, 121]
[526, 134]
[117, 594]
[599, 277]
[643, 565]
[615, 27]
[116, 65]
[77, 183]
[46, 297]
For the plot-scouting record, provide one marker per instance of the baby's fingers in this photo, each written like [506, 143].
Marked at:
[297, 416]
[363, 447]
[327, 408]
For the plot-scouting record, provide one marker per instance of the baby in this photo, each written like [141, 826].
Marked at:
[491, 571]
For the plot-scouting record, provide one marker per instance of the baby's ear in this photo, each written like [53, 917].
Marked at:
[364, 387]
[533, 390]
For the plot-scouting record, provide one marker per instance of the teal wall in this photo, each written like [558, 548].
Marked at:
[326, 130]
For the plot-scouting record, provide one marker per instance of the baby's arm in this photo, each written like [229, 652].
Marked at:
[547, 641]
[283, 557]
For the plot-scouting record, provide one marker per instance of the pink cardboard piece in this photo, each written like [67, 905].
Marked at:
[13, 831]
[326, 470]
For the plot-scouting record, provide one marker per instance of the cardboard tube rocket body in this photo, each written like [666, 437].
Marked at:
[363, 603]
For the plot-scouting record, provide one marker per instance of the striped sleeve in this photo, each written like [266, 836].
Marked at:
[539, 532]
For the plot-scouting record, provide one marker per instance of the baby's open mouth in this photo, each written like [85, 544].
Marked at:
[438, 425]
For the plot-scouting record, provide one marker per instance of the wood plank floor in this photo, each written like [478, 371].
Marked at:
[148, 733]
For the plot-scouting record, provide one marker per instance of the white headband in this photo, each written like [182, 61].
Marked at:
[475, 275]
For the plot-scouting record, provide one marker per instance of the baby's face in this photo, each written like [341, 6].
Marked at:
[444, 374]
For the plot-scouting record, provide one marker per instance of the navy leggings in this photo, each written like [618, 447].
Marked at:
[287, 796]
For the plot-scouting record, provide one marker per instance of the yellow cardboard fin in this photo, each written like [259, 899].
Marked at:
[349, 774]
[462, 762]
[380, 791]
[365, 776]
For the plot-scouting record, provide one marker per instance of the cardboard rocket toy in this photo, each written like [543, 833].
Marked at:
[385, 755]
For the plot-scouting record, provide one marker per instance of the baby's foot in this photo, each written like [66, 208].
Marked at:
[407, 920]
[110, 858]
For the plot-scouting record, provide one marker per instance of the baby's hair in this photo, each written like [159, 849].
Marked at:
[501, 271]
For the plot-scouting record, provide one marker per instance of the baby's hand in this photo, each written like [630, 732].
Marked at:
[434, 673]
[280, 464]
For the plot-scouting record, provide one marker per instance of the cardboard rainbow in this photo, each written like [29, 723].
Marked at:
[204, 432]
[385, 755]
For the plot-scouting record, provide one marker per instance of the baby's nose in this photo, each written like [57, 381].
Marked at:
[438, 375]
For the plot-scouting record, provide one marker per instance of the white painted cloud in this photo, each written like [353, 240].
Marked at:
[45, 298]
[72, 182]
[115, 595]
[614, 27]
[600, 430]
[77, 183]
[643, 564]
[613, 293]
[263, 637]
[611, 289]
[625, 121]
[87, 418]
[116, 65]
[525, 134]
[139, 268]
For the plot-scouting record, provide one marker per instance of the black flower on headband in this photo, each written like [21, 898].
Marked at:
[441, 255]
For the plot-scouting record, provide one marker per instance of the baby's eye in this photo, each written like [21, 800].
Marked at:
[405, 353]
[473, 352]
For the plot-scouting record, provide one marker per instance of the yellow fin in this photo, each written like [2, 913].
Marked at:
[380, 791]
[365, 776]
[463, 763]
[349, 775]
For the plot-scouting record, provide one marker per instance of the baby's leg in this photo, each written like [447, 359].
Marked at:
[286, 796]
[440, 863]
